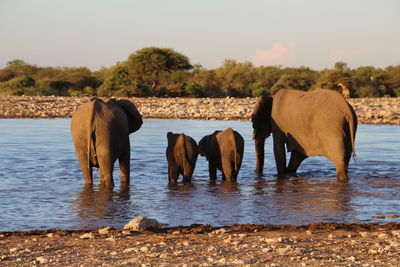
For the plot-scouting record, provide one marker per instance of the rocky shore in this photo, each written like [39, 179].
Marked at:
[369, 110]
[329, 244]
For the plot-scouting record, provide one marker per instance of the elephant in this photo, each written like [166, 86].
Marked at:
[100, 132]
[181, 153]
[224, 151]
[314, 123]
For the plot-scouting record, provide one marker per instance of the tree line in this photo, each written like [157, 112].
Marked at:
[163, 72]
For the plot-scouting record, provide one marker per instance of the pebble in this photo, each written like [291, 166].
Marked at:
[144, 249]
[220, 231]
[128, 250]
[41, 260]
[383, 236]
[87, 236]
[104, 231]
[12, 250]
[364, 234]
[112, 239]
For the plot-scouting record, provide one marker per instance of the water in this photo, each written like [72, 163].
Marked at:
[41, 185]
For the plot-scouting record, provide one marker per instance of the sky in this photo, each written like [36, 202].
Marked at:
[290, 33]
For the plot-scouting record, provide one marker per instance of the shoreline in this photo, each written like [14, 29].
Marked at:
[368, 110]
[319, 244]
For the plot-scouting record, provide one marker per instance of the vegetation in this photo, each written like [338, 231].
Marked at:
[163, 72]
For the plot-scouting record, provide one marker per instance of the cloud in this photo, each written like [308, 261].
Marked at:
[277, 55]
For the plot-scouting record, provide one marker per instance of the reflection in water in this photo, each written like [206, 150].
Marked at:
[102, 203]
[48, 191]
[305, 198]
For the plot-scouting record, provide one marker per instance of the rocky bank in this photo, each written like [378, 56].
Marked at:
[369, 110]
[329, 244]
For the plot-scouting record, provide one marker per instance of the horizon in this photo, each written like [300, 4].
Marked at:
[314, 34]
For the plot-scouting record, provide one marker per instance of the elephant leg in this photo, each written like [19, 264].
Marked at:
[187, 174]
[124, 167]
[86, 167]
[173, 174]
[280, 157]
[106, 166]
[212, 169]
[336, 153]
[228, 172]
[341, 170]
[296, 158]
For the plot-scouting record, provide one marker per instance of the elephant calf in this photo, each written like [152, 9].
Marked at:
[182, 153]
[100, 132]
[224, 151]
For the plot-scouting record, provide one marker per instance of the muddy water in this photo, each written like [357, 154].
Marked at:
[41, 184]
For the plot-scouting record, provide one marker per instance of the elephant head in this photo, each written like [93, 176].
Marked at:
[261, 119]
[204, 144]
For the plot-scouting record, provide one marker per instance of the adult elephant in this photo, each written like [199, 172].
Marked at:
[319, 122]
[100, 132]
[224, 151]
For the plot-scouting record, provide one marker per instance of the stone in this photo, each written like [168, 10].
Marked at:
[104, 231]
[144, 249]
[87, 236]
[220, 231]
[129, 250]
[41, 260]
[142, 223]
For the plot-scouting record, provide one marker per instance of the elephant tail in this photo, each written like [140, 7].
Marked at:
[353, 128]
[91, 134]
[234, 146]
[181, 142]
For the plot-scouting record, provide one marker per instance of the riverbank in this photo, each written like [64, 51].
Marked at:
[333, 244]
[369, 110]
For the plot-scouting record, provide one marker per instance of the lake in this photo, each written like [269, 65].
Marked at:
[41, 185]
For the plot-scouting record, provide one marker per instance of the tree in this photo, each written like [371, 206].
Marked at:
[301, 78]
[340, 65]
[329, 79]
[150, 63]
[18, 85]
[209, 81]
[236, 77]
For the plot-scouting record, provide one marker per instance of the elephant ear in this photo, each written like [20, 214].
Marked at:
[135, 120]
[261, 117]
[203, 146]
[170, 136]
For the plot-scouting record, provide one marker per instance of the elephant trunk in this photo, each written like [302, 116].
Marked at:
[259, 142]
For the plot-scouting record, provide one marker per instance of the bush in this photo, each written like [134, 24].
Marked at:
[257, 89]
[194, 89]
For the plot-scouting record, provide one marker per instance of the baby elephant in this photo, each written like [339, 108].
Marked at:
[224, 151]
[182, 153]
